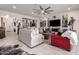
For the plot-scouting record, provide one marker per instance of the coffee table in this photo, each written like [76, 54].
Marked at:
[47, 35]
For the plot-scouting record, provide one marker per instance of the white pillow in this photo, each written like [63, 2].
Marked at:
[72, 36]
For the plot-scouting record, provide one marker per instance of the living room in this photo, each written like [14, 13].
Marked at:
[39, 29]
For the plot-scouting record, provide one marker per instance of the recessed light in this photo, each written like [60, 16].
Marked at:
[69, 8]
[14, 7]
[32, 12]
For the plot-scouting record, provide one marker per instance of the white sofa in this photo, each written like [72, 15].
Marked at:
[31, 37]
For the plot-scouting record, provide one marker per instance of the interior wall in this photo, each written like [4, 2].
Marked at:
[74, 14]
[11, 16]
[9, 20]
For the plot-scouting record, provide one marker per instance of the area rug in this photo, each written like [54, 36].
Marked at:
[13, 50]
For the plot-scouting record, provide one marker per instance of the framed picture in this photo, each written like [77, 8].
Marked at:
[33, 23]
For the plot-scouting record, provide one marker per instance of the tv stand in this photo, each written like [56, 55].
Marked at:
[55, 29]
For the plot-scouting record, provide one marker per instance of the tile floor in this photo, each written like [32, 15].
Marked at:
[43, 49]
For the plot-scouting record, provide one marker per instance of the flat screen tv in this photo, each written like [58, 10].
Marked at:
[55, 23]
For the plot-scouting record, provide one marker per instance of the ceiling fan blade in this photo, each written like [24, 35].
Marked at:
[47, 8]
[41, 7]
[48, 12]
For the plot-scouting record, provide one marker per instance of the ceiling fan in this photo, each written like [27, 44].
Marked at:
[43, 11]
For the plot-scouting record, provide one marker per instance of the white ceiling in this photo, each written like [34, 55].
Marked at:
[27, 9]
